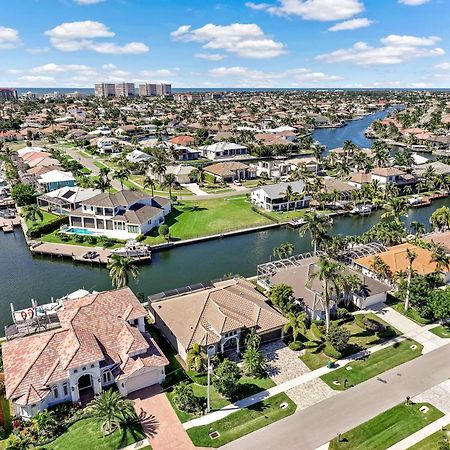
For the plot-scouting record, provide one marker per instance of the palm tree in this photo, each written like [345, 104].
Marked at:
[121, 174]
[418, 228]
[411, 255]
[440, 219]
[329, 272]
[317, 225]
[149, 183]
[284, 250]
[102, 183]
[170, 181]
[440, 257]
[195, 358]
[380, 268]
[255, 363]
[158, 168]
[295, 323]
[199, 175]
[120, 270]
[348, 285]
[32, 212]
[111, 408]
[396, 208]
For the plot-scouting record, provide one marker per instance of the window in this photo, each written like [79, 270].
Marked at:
[65, 390]
[107, 377]
[55, 392]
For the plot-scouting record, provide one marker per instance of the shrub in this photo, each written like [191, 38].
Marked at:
[387, 333]
[79, 238]
[342, 313]
[332, 352]
[317, 330]
[227, 378]
[338, 338]
[255, 363]
[92, 239]
[63, 236]
[45, 228]
[372, 325]
[296, 346]
[185, 399]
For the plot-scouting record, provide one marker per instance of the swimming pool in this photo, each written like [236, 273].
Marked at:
[82, 231]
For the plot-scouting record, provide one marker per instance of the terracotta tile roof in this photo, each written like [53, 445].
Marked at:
[395, 258]
[207, 314]
[93, 329]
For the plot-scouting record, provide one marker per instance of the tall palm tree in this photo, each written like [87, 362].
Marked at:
[159, 168]
[440, 257]
[396, 208]
[418, 228]
[411, 255]
[348, 285]
[122, 175]
[102, 183]
[120, 270]
[149, 183]
[317, 225]
[111, 408]
[295, 323]
[440, 219]
[328, 273]
[170, 181]
[32, 212]
[380, 268]
[195, 358]
[284, 250]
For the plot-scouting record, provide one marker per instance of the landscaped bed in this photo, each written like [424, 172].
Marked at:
[387, 429]
[86, 434]
[433, 441]
[372, 365]
[243, 422]
[362, 337]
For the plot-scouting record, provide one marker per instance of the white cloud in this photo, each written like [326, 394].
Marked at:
[351, 24]
[395, 50]
[36, 79]
[322, 10]
[159, 73]
[245, 77]
[37, 50]
[9, 38]
[59, 68]
[210, 56]
[88, 2]
[413, 2]
[75, 36]
[246, 40]
[443, 66]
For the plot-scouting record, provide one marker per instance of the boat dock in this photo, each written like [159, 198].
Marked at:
[7, 225]
[78, 253]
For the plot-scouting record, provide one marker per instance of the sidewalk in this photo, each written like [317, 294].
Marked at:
[421, 434]
[283, 387]
[409, 328]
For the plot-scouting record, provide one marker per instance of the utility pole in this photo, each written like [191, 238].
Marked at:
[209, 385]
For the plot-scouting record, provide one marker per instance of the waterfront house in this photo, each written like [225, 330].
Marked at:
[272, 169]
[273, 197]
[224, 150]
[101, 343]
[55, 179]
[65, 200]
[230, 170]
[107, 144]
[216, 317]
[123, 215]
[136, 156]
[182, 173]
[309, 292]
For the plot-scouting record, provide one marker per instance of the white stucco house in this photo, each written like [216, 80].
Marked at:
[224, 150]
[101, 342]
[273, 197]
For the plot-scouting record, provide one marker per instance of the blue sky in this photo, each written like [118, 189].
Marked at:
[233, 43]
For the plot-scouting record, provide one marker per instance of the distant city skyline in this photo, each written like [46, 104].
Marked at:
[237, 43]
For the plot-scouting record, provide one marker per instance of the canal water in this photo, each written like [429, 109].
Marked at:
[23, 277]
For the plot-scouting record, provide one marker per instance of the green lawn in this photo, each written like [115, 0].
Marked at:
[433, 441]
[243, 422]
[443, 331]
[361, 338]
[412, 314]
[47, 217]
[373, 365]
[387, 429]
[55, 239]
[86, 434]
[194, 219]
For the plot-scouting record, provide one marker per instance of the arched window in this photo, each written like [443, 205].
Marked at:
[55, 392]
[65, 390]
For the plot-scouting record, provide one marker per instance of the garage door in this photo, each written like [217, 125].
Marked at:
[143, 380]
[271, 336]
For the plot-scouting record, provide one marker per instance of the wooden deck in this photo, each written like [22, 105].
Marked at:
[7, 225]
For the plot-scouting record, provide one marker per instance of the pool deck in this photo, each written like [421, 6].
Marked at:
[76, 252]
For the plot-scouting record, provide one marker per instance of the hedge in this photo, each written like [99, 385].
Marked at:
[45, 228]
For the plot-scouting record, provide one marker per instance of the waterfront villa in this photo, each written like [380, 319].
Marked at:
[216, 317]
[123, 215]
[230, 171]
[309, 293]
[65, 200]
[273, 197]
[224, 150]
[55, 179]
[101, 343]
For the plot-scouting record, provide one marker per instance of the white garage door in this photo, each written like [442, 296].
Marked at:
[143, 380]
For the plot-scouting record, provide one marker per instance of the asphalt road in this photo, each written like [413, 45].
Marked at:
[318, 424]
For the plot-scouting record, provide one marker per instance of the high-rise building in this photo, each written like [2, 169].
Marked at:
[125, 90]
[105, 90]
[8, 94]
[155, 90]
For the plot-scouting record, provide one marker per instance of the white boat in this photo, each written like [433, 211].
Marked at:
[133, 249]
[362, 210]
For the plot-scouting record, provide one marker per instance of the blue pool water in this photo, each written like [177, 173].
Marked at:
[82, 231]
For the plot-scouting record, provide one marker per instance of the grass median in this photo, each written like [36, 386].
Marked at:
[372, 365]
[387, 429]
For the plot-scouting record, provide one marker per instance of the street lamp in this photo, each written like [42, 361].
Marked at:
[208, 397]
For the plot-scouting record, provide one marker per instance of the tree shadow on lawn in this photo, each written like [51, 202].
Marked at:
[245, 390]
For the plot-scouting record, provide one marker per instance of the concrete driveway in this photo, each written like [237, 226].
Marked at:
[161, 425]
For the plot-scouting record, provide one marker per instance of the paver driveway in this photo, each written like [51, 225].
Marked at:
[161, 425]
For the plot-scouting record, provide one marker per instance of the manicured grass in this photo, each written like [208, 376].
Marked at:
[243, 422]
[399, 306]
[55, 239]
[193, 219]
[433, 441]
[361, 338]
[388, 428]
[47, 217]
[373, 365]
[86, 434]
[443, 331]
[159, 190]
